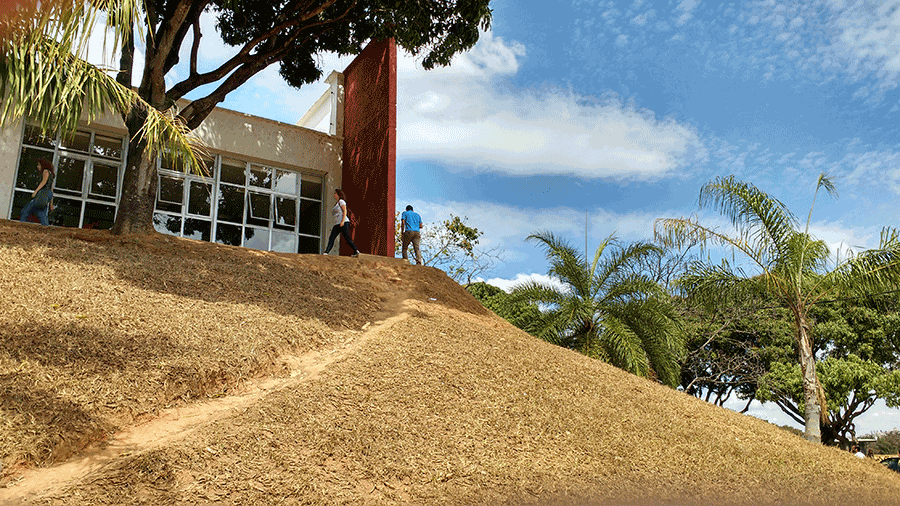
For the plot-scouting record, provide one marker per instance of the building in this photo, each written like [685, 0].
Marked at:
[269, 185]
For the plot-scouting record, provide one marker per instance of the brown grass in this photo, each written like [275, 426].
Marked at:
[391, 386]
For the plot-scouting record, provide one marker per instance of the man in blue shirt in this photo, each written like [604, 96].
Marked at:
[410, 224]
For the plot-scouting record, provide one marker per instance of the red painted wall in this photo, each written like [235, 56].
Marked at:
[370, 146]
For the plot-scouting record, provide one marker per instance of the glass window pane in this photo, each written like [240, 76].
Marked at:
[99, 216]
[284, 242]
[260, 176]
[285, 212]
[311, 188]
[228, 234]
[200, 199]
[80, 141]
[29, 176]
[107, 146]
[166, 224]
[233, 172]
[69, 174]
[171, 194]
[231, 204]
[20, 198]
[207, 166]
[34, 137]
[286, 182]
[197, 229]
[67, 212]
[256, 238]
[307, 245]
[310, 217]
[104, 180]
[260, 212]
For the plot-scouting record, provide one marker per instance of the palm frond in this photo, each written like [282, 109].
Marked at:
[761, 220]
[566, 263]
[45, 79]
[657, 324]
[871, 271]
[623, 346]
[620, 263]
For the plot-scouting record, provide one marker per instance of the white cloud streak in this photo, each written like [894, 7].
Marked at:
[462, 115]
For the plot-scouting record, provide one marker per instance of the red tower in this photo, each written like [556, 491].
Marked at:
[370, 146]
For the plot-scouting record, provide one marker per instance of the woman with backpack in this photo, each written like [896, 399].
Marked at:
[341, 223]
[41, 202]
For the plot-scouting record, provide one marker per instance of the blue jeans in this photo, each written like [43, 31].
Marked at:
[32, 207]
[340, 230]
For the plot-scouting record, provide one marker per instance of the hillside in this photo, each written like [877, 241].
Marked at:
[156, 370]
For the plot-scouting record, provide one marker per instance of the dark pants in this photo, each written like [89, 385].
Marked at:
[341, 230]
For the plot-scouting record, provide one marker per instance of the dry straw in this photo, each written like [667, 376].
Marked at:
[414, 393]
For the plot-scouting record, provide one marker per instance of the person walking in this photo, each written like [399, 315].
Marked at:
[41, 202]
[410, 226]
[341, 223]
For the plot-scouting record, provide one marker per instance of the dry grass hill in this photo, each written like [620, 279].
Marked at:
[155, 370]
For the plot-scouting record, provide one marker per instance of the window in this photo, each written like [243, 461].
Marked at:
[242, 204]
[89, 167]
[233, 201]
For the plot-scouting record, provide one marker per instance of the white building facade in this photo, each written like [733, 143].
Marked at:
[267, 186]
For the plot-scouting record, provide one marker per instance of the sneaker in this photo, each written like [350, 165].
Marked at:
[355, 254]
[324, 253]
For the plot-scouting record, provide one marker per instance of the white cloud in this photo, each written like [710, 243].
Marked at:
[508, 284]
[824, 39]
[841, 240]
[685, 11]
[507, 226]
[463, 116]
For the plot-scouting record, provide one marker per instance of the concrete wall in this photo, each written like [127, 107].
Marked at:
[10, 143]
[370, 140]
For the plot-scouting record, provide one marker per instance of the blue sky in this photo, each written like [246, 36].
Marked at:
[619, 111]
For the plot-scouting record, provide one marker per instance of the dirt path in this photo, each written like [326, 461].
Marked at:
[176, 423]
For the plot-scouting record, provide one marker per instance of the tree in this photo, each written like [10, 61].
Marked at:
[452, 246]
[887, 443]
[517, 312]
[725, 345]
[605, 310]
[856, 344]
[749, 350]
[44, 77]
[290, 33]
[794, 265]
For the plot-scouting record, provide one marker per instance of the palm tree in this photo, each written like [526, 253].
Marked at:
[793, 265]
[605, 310]
[45, 77]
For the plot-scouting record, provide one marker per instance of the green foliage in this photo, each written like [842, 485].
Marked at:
[605, 309]
[887, 443]
[750, 349]
[729, 347]
[519, 313]
[44, 75]
[452, 246]
[793, 268]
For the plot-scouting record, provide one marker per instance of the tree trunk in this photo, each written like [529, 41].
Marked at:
[135, 212]
[813, 410]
